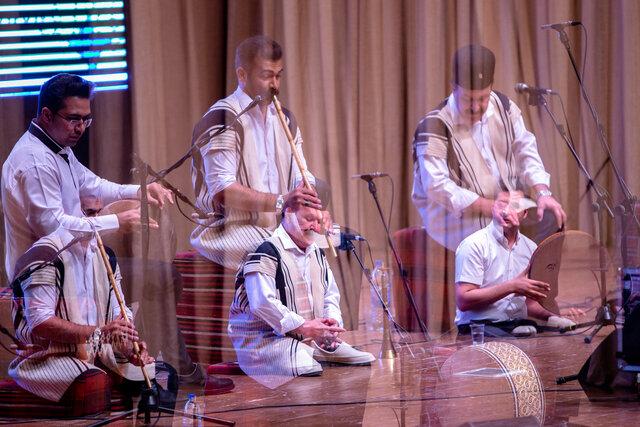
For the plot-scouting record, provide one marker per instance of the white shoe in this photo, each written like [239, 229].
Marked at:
[344, 354]
[523, 331]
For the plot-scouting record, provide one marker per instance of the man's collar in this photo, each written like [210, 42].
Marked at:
[459, 121]
[289, 244]
[244, 100]
[44, 137]
[497, 231]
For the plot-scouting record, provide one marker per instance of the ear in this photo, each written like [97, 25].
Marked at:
[46, 115]
[242, 75]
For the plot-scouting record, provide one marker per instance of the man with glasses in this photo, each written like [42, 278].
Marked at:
[42, 181]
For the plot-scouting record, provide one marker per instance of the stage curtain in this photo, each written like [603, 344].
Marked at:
[359, 75]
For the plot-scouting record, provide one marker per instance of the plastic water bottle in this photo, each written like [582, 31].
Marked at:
[378, 275]
[191, 408]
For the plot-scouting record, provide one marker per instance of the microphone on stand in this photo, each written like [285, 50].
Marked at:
[369, 176]
[532, 90]
[560, 25]
[252, 104]
[346, 238]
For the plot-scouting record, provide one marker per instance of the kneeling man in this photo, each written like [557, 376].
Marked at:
[68, 320]
[492, 286]
[285, 316]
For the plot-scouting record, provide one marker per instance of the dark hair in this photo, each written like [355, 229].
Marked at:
[473, 67]
[257, 46]
[54, 91]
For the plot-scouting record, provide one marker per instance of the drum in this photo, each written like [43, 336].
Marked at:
[569, 261]
[492, 381]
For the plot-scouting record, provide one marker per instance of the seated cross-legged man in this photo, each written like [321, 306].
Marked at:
[69, 323]
[492, 286]
[285, 316]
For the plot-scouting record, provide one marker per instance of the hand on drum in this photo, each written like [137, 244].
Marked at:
[548, 202]
[158, 195]
[534, 289]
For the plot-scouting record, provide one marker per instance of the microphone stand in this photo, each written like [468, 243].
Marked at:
[604, 315]
[627, 206]
[405, 281]
[349, 246]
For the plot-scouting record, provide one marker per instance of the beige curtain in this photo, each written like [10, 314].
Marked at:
[360, 74]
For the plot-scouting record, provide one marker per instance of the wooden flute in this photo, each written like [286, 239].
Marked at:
[298, 160]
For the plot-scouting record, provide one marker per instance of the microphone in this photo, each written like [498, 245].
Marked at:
[346, 238]
[369, 176]
[560, 25]
[252, 104]
[532, 90]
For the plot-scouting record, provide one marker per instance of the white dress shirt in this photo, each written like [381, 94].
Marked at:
[484, 259]
[41, 191]
[222, 165]
[261, 291]
[438, 197]
[41, 293]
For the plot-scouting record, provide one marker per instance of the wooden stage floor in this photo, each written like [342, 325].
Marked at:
[460, 383]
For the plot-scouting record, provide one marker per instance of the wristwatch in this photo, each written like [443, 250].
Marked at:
[279, 204]
[544, 193]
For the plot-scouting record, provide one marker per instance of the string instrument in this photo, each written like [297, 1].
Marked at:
[123, 310]
[297, 159]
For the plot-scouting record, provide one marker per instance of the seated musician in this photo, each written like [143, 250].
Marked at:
[492, 286]
[285, 316]
[68, 320]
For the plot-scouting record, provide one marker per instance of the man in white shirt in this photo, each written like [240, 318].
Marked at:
[472, 146]
[42, 181]
[491, 274]
[68, 319]
[285, 316]
[246, 176]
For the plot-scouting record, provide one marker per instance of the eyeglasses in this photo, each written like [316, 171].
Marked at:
[86, 121]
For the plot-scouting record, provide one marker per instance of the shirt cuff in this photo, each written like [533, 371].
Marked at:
[221, 184]
[106, 222]
[128, 191]
[539, 178]
[468, 279]
[462, 200]
[290, 322]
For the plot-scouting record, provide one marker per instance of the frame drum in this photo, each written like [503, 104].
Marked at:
[492, 381]
[569, 262]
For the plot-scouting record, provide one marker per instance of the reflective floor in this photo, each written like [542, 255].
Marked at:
[448, 382]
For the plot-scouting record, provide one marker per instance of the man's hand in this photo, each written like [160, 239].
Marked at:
[302, 196]
[317, 329]
[144, 358]
[548, 202]
[120, 334]
[158, 195]
[529, 288]
[130, 220]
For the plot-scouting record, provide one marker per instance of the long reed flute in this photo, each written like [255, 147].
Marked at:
[298, 160]
[123, 311]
